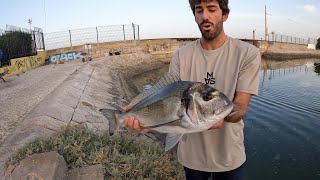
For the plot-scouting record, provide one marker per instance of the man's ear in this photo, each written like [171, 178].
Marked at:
[225, 17]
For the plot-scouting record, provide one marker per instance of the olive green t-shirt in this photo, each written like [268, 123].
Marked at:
[232, 67]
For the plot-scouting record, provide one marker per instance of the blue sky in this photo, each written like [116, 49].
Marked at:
[165, 18]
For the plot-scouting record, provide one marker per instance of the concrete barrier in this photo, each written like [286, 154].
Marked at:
[21, 65]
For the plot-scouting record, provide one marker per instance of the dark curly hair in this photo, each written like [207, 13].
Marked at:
[222, 3]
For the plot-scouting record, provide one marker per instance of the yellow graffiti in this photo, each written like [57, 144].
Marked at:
[21, 65]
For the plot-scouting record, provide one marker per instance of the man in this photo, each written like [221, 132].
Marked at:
[229, 65]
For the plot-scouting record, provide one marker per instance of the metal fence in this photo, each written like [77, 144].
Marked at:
[36, 35]
[100, 34]
[290, 39]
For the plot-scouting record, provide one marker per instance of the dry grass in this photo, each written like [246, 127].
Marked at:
[123, 156]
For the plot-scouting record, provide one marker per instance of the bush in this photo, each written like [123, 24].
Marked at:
[123, 156]
[16, 44]
[318, 44]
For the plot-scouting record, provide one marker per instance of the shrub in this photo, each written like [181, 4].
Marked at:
[16, 44]
[318, 44]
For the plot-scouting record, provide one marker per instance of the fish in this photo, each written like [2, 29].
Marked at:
[179, 108]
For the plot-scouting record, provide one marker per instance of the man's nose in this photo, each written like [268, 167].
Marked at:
[205, 15]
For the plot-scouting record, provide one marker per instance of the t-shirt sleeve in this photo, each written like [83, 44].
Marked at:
[248, 79]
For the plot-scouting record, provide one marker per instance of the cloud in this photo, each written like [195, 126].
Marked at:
[309, 8]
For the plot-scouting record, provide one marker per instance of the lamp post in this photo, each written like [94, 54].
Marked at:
[30, 22]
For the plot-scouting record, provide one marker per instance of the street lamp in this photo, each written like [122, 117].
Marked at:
[30, 22]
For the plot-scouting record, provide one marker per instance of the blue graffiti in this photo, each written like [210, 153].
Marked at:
[67, 57]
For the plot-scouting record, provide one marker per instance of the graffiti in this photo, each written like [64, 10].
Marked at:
[23, 63]
[67, 57]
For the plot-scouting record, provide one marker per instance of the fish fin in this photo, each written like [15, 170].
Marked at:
[111, 115]
[174, 89]
[164, 81]
[172, 140]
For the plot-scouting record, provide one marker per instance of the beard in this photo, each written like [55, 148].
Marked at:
[214, 32]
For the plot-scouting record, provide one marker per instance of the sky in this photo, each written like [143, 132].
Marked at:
[164, 18]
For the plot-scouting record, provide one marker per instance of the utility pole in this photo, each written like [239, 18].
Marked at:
[254, 34]
[265, 22]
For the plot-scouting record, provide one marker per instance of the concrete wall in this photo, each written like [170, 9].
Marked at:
[21, 65]
[159, 48]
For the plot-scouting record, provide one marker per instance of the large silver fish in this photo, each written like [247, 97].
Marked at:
[176, 109]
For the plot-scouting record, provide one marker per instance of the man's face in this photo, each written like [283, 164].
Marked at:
[209, 18]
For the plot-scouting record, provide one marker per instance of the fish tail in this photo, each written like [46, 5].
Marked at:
[112, 115]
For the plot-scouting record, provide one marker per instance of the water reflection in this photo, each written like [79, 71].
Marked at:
[276, 69]
[282, 124]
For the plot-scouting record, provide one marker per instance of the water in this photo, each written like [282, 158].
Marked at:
[282, 127]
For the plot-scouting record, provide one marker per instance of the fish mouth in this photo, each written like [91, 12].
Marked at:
[228, 108]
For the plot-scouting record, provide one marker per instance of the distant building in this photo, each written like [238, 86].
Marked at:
[311, 46]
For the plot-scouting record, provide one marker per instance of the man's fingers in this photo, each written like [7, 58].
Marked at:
[146, 130]
[136, 125]
[130, 122]
[218, 125]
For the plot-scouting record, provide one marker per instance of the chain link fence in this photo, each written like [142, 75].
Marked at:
[92, 35]
[290, 39]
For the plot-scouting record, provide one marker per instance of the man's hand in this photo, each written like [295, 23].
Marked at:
[217, 125]
[133, 123]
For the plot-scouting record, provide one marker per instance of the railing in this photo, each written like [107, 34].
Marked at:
[100, 34]
[290, 39]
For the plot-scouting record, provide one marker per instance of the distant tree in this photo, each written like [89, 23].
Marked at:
[318, 44]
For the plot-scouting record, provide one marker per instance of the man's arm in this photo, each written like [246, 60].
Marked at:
[241, 102]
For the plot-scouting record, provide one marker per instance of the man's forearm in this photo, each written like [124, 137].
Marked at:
[241, 112]
[240, 102]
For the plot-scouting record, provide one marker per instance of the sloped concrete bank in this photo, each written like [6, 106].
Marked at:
[79, 98]
[285, 51]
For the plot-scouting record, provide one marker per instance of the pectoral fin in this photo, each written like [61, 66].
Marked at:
[172, 140]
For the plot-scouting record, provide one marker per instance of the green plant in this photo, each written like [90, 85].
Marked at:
[16, 44]
[123, 156]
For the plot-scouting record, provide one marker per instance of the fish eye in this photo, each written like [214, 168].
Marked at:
[207, 98]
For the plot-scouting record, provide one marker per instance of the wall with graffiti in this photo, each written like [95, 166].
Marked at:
[67, 56]
[21, 65]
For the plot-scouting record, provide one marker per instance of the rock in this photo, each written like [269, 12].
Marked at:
[95, 172]
[48, 166]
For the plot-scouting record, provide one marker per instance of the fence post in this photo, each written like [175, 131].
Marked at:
[124, 33]
[97, 35]
[43, 45]
[34, 40]
[70, 38]
[134, 32]
[138, 32]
